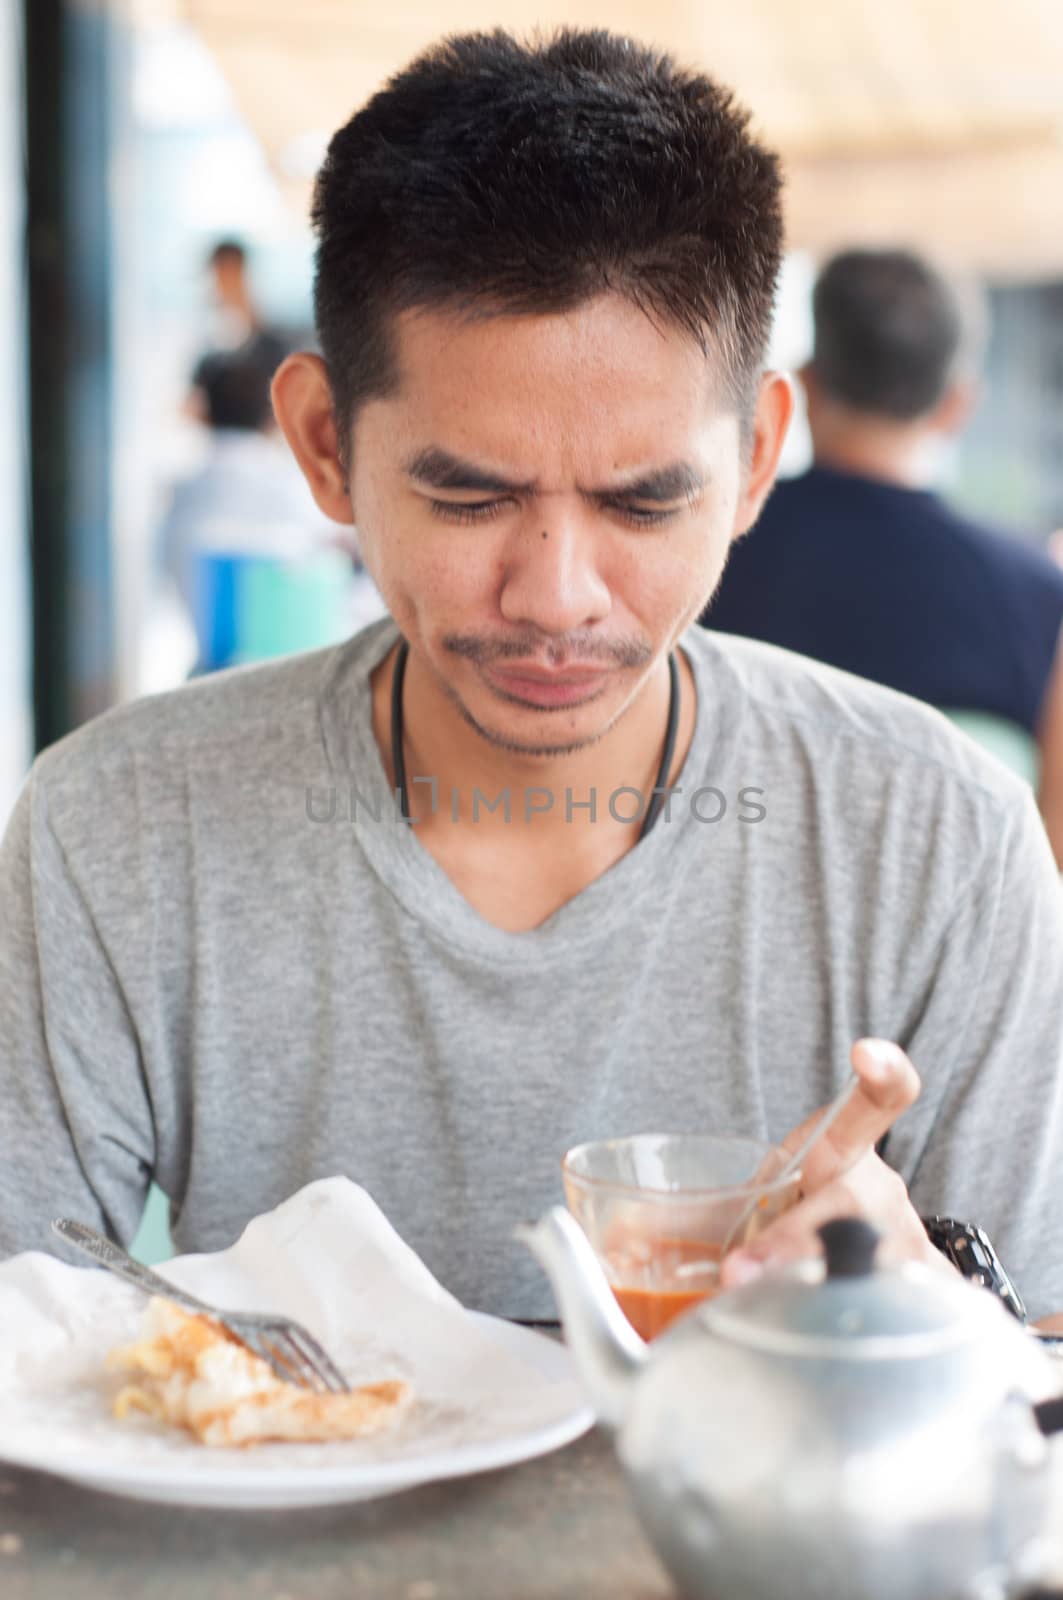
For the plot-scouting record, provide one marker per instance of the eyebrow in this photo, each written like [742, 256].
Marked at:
[438, 469]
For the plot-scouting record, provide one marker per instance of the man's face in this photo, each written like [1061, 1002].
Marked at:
[229, 279]
[546, 503]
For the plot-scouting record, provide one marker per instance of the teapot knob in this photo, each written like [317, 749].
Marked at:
[849, 1245]
[1048, 1414]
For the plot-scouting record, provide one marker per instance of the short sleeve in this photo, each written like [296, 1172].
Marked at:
[993, 1152]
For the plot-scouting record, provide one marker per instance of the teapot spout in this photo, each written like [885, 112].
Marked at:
[606, 1349]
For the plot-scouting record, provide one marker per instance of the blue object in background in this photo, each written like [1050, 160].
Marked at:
[214, 592]
[253, 608]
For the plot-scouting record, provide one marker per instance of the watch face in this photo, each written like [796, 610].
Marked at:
[971, 1253]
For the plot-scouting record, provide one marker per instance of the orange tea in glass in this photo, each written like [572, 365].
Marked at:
[658, 1209]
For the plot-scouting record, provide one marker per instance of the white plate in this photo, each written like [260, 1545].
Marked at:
[252, 1479]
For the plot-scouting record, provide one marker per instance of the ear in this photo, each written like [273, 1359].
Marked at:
[302, 404]
[775, 407]
[955, 407]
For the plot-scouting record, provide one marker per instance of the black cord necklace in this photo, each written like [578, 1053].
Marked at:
[653, 810]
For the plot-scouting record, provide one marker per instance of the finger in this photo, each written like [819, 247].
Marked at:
[791, 1237]
[876, 1195]
[871, 1190]
[888, 1085]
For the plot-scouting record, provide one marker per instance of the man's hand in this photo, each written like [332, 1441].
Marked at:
[843, 1176]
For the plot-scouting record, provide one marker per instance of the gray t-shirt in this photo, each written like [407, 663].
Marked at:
[210, 972]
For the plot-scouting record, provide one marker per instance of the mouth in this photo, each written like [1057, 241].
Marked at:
[569, 686]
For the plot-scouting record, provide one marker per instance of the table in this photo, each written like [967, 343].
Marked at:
[559, 1528]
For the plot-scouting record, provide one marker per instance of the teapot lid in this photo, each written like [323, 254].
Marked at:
[846, 1306]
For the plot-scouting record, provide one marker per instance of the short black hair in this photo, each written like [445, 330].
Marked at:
[236, 387]
[231, 249]
[889, 331]
[493, 175]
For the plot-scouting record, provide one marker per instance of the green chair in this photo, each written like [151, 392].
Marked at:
[153, 1242]
[1011, 744]
[286, 606]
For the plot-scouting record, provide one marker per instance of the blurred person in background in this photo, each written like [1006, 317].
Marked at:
[859, 563]
[249, 503]
[237, 324]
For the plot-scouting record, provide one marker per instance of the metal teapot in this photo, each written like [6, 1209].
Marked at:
[831, 1431]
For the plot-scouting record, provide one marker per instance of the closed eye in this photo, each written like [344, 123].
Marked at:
[467, 511]
[473, 511]
[639, 517]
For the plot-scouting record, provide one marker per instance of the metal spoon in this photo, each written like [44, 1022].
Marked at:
[792, 1165]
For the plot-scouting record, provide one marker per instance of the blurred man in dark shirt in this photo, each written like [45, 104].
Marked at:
[859, 564]
[239, 329]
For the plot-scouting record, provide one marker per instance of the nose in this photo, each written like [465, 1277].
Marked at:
[552, 580]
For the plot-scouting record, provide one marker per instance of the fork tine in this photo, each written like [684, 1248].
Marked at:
[264, 1350]
[321, 1362]
[292, 1353]
[299, 1370]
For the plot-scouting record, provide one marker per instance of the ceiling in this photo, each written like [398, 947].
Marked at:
[939, 122]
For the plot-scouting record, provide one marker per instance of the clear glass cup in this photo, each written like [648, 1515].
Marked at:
[659, 1207]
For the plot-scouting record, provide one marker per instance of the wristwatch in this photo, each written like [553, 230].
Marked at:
[971, 1252]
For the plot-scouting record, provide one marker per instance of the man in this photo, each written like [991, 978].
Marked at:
[859, 564]
[544, 289]
[247, 501]
[240, 324]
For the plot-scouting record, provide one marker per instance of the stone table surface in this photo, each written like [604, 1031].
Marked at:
[558, 1528]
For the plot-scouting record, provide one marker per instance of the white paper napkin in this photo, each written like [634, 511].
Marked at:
[327, 1257]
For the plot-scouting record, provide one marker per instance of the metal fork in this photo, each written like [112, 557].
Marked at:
[292, 1352]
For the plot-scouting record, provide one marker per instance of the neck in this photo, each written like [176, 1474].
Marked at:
[898, 453]
[240, 302]
[469, 770]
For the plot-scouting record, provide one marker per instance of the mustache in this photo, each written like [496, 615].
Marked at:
[558, 653]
